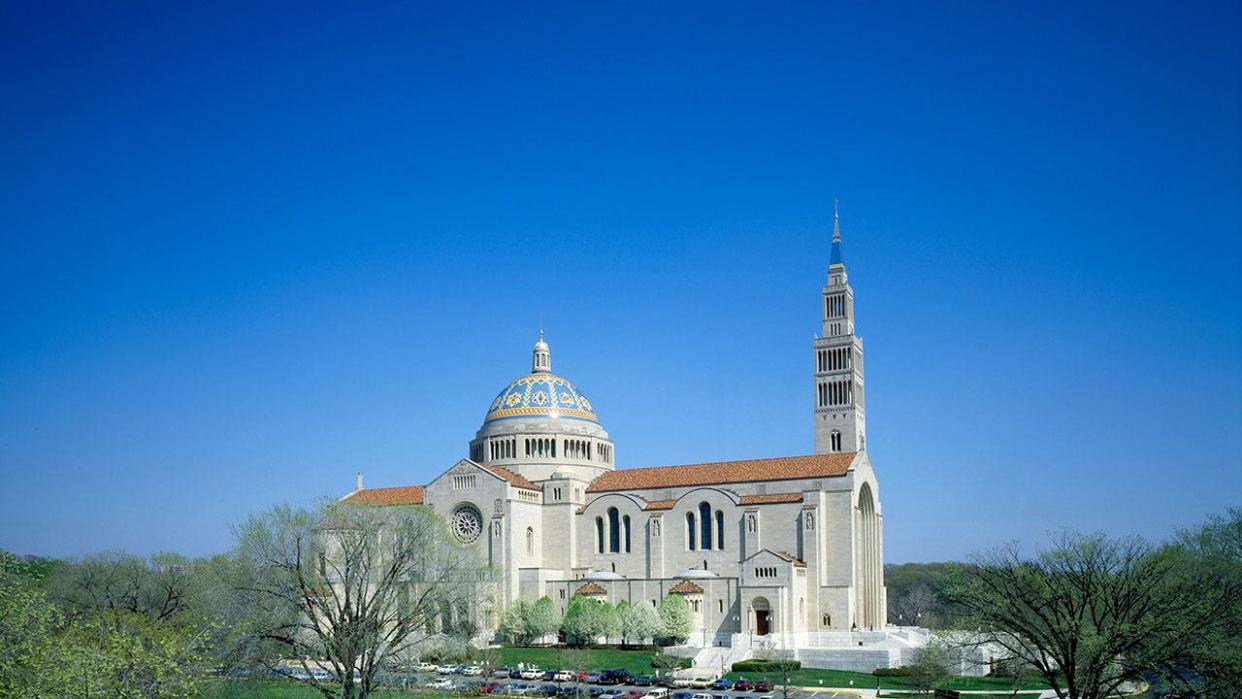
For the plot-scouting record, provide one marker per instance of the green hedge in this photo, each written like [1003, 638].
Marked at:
[891, 672]
[761, 665]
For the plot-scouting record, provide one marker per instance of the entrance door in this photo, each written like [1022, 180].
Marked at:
[761, 622]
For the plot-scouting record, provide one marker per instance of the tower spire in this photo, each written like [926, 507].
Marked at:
[836, 257]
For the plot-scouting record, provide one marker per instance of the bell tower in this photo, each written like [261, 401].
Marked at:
[840, 417]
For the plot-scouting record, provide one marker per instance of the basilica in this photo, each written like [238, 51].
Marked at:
[788, 546]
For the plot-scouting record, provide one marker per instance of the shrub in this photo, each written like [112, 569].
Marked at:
[762, 665]
[891, 672]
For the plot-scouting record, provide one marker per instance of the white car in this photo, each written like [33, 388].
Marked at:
[532, 673]
[563, 676]
[701, 696]
[425, 667]
[658, 693]
[446, 669]
[321, 675]
[612, 694]
[442, 683]
[472, 671]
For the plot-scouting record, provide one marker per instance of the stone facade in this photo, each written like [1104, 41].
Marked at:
[777, 548]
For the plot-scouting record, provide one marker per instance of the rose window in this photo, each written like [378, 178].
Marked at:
[467, 523]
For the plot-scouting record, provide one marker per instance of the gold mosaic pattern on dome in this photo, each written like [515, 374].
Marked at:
[541, 394]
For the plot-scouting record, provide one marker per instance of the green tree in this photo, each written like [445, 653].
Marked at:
[101, 652]
[665, 663]
[542, 618]
[351, 586]
[677, 618]
[609, 620]
[639, 622]
[930, 667]
[1207, 562]
[587, 619]
[29, 624]
[513, 623]
[1089, 613]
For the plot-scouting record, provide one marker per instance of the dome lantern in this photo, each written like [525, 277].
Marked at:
[542, 361]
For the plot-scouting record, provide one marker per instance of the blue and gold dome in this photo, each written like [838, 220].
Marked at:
[541, 394]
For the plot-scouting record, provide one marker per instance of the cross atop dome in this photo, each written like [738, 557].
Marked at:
[541, 363]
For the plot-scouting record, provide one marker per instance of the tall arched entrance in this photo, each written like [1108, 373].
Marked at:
[870, 565]
[763, 616]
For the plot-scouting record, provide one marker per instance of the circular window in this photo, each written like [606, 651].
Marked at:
[467, 523]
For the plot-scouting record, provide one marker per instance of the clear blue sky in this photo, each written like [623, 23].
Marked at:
[248, 252]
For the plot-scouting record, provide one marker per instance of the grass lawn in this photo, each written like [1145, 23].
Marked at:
[637, 662]
[810, 677]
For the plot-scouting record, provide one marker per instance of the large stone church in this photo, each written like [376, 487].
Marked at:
[784, 546]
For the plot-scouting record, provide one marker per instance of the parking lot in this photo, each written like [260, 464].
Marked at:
[537, 682]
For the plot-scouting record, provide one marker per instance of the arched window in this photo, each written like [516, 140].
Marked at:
[836, 441]
[690, 533]
[705, 526]
[719, 530]
[599, 534]
[530, 540]
[614, 531]
[626, 523]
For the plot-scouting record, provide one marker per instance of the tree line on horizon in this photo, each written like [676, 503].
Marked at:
[361, 590]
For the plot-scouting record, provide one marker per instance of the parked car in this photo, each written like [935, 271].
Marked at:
[570, 691]
[681, 695]
[446, 669]
[489, 688]
[563, 676]
[743, 685]
[594, 678]
[723, 683]
[655, 693]
[701, 696]
[472, 671]
[643, 680]
[501, 673]
[700, 682]
[442, 683]
[612, 694]
[595, 691]
[531, 673]
[424, 667]
[762, 686]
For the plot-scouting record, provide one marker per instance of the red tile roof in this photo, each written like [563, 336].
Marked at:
[402, 495]
[513, 478]
[660, 505]
[770, 499]
[591, 589]
[790, 558]
[685, 587]
[783, 468]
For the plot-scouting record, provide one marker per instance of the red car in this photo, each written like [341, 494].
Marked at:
[489, 688]
[743, 685]
[761, 686]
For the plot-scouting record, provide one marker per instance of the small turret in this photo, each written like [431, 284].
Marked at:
[542, 361]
